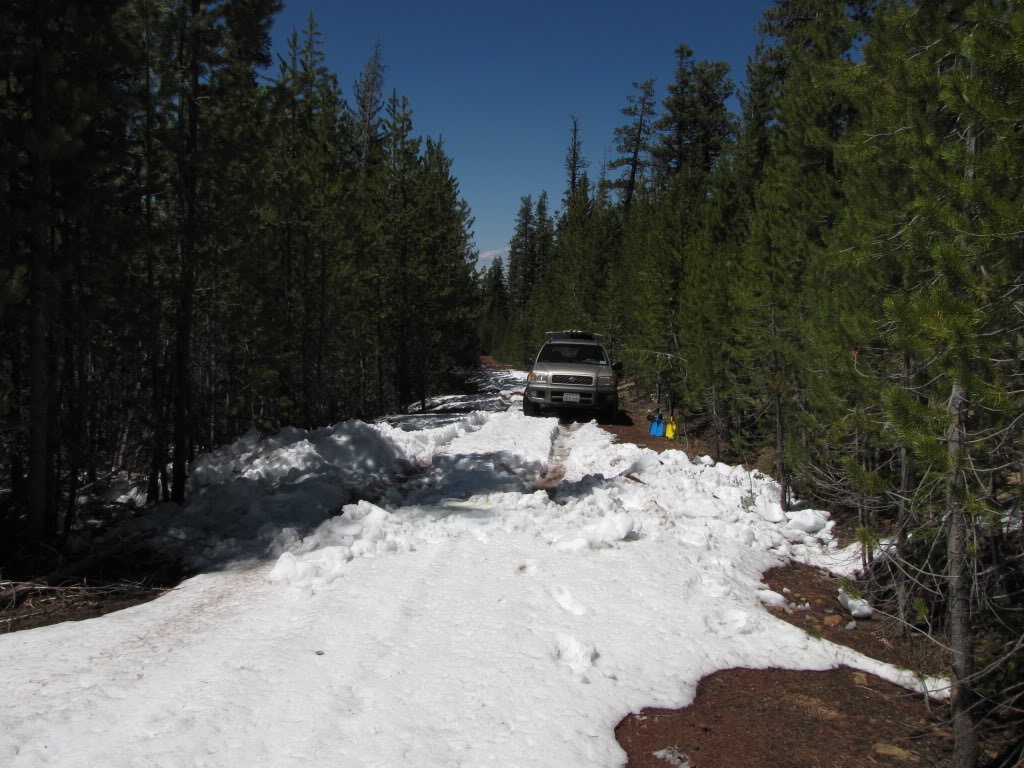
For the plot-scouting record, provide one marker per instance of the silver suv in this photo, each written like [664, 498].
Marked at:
[572, 372]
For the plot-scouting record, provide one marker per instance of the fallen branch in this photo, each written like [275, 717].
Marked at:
[12, 593]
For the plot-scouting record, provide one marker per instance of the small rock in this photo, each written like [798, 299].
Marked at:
[852, 625]
[859, 678]
[833, 620]
[892, 750]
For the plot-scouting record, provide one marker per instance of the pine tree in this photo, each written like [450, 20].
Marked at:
[494, 308]
[369, 103]
[633, 142]
[709, 300]
[716, 284]
[521, 267]
[222, 45]
[303, 204]
[641, 308]
[543, 239]
[795, 207]
[400, 276]
[570, 296]
[575, 163]
[940, 79]
[449, 297]
[367, 230]
[695, 126]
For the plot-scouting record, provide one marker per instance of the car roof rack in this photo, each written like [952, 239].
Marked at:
[572, 336]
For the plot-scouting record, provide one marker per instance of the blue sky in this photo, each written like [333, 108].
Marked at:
[499, 81]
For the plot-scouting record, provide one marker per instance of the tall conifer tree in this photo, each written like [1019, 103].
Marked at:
[633, 142]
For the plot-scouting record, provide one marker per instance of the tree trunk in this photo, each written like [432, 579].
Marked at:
[958, 559]
[158, 411]
[321, 323]
[305, 332]
[780, 448]
[780, 434]
[74, 394]
[189, 238]
[39, 511]
[903, 582]
[965, 735]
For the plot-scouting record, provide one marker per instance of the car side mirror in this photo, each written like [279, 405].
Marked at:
[617, 366]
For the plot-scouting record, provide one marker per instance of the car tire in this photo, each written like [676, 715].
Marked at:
[530, 409]
[609, 414]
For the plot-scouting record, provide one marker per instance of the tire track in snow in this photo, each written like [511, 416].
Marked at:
[561, 447]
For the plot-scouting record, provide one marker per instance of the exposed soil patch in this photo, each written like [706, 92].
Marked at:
[632, 425]
[770, 717]
[51, 605]
[819, 613]
[108, 582]
[841, 718]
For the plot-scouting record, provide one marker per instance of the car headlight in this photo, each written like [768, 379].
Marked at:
[539, 378]
[607, 381]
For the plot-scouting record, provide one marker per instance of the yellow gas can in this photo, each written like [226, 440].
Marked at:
[670, 429]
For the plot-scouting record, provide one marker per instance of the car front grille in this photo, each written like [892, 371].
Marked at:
[565, 379]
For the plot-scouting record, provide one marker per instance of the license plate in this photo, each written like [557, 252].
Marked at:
[571, 397]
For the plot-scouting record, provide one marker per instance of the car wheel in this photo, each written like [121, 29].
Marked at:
[530, 409]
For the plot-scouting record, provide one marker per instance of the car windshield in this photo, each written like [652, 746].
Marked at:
[581, 354]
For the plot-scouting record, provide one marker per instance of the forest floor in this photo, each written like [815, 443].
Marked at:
[840, 718]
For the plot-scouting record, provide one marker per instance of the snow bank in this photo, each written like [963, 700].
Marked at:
[479, 483]
[259, 497]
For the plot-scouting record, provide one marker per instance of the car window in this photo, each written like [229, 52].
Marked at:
[550, 353]
[583, 354]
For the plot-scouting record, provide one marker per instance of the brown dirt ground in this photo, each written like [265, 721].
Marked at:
[741, 717]
[70, 602]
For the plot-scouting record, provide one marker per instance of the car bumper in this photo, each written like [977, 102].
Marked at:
[565, 398]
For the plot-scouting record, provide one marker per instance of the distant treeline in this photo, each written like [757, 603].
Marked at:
[834, 279]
